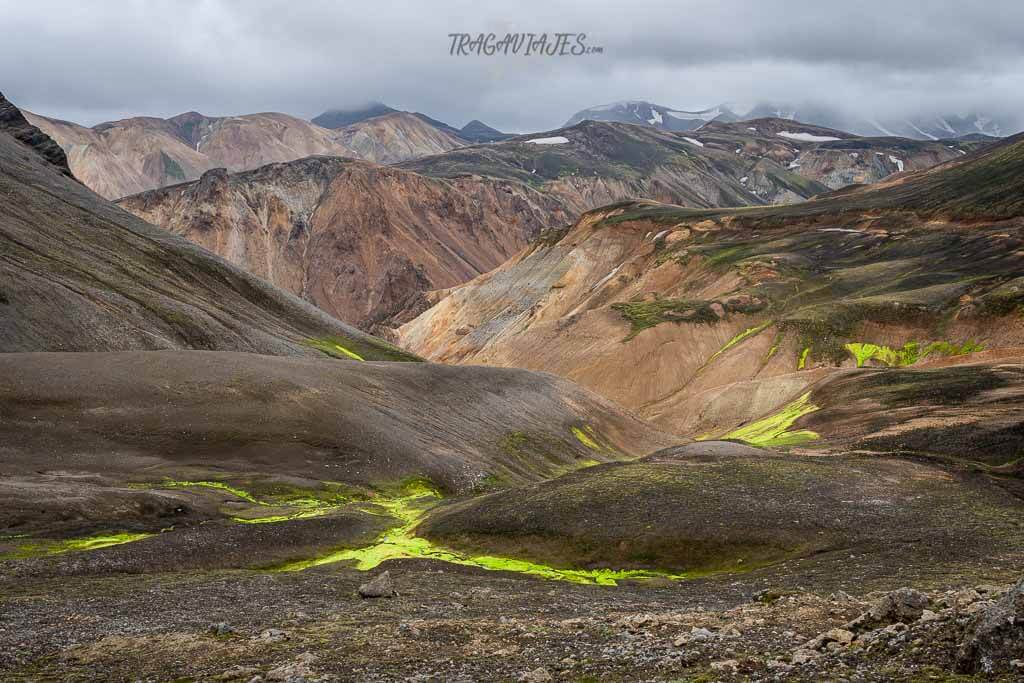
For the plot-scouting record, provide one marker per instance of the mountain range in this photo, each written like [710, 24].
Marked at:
[368, 244]
[927, 127]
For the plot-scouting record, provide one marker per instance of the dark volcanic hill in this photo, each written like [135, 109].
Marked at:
[252, 420]
[339, 118]
[478, 131]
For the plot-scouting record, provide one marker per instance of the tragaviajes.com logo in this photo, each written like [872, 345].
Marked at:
[525, 44]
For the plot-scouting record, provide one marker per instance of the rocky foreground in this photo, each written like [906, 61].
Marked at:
[428, 621]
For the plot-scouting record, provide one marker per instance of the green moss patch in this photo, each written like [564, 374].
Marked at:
[272, 501]
[401, 542]
[646, 314]
[774, 429]
[743, 336]
[909, 353]
[368, 348]
[45, 547]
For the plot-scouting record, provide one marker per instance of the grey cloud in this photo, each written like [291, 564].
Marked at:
[96, 61]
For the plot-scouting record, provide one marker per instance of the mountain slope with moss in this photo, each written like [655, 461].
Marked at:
[703, 320]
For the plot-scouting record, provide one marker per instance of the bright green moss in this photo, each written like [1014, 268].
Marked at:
[802, 360]
[44, 547]
[401, 542]
[368, 348]
[219, 485]
[297, 503]
[908, 354]
[332, 348]
[585, 437]
[947, 349]
[773, 430]
[774, 348]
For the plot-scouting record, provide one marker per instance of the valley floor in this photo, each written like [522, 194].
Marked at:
[452, 623]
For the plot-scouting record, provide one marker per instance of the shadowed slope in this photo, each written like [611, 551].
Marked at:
[75, 421]
[79, 274]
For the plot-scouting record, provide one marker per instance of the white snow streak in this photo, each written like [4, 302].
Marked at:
[806, 137]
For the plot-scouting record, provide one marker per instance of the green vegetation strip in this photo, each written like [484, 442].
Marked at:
[742, 336]
[401, 542]
[45, 547]
[774, 429]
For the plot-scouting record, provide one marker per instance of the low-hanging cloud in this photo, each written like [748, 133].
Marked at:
[90, 62]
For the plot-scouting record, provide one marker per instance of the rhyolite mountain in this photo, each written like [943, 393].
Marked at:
[362, 242]
[474, 131]
[755, 162]
[704, 319]
[831, 157]
[593, 163]
[125, 157]
[397, 136]
[131, 155]
[366, 244]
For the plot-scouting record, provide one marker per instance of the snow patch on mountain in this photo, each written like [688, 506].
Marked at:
[554, 140]
[806, 137]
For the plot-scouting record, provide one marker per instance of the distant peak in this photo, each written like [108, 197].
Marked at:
[341, 117]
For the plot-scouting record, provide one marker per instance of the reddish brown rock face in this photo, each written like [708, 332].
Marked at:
[361, 242]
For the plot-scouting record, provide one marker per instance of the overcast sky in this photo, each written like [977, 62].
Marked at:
[94, 61]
